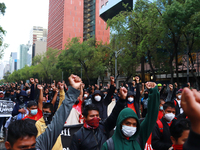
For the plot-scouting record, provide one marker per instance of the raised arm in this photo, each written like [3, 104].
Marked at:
[152, 112]
[47, 140]
[55, 95]
[62, 95]
[40, 100]
[110, 122]
[137, 97]
[108, 98]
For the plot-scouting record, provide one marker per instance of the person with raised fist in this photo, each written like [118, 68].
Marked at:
[22, 133]
[129, 133]
[95, 131]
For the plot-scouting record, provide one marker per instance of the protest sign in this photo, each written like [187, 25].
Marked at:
[6, 108]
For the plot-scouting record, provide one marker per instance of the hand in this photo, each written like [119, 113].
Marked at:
[23, 111]
[112, 80]
[39, 87]
[82, 86]
[142, 84]
[93, 87]
[123, 93]
[54, 88]
[150, 85]
[190, 102]
[36, 80]
[170, 87]
[188, 84]
[164, 85]
[97, 86]
[108, 85]
[137, 79]
[114, 85]
[61, 86]
[32, 80]
[176, 85]
[75, 81]
[126, 85]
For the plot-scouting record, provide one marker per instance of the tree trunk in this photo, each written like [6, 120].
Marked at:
[142, 69]
[176, 58]
[151, 66]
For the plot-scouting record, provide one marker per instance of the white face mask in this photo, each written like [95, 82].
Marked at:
[85, 95]
[130, 99]
[128, 131]
[179, 97]
[97, 98]
[169, 116]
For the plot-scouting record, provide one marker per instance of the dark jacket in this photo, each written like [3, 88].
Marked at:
[192, 142]
[161, 141]
[20, 105]
[87, 139]
[103, 104]
[139, 139]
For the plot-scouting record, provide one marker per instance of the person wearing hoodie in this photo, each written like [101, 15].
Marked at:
[133, 98]
[20, 106]
[101, 102]
[129, 133]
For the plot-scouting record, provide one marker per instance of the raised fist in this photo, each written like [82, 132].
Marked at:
[150, 85]
[32, 80]
[75, 81]
[36, 80]
[112, 80]
[137, 79]
[170, 87]
[123, 93]
[39, 87]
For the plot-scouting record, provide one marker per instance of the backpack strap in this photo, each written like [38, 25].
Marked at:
[160, 126]
[175, 102]
[110, 144]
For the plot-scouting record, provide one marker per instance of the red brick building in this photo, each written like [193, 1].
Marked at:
[75, 18]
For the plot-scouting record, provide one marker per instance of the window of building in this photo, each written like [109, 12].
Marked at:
[76, 24]
[72, 24]
[79, 19]
[70, 12]
[80, 3]
[71, 1]
[69, 35]
[75, 7]
[73, 18]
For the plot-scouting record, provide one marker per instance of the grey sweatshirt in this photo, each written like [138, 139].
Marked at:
[47, 140]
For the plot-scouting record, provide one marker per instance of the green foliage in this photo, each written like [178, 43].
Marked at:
[2, 32]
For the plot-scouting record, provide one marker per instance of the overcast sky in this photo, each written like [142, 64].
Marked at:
[19, 18]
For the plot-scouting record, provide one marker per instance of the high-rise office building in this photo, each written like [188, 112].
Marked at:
[13, 61]
[75, 18]
[23, 55]
[37, 33]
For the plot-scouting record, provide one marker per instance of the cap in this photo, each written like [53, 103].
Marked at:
[179, 91]
[159, 84]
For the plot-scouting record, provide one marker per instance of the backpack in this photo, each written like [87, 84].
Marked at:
[160, 126]
[110, 144]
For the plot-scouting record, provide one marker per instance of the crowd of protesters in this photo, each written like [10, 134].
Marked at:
[142, 116]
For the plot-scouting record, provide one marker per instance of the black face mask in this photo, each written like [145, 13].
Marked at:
[145, 96]
[21, 99]
[31, 149]
[47, 117]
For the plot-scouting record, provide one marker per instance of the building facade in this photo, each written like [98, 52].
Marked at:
[13, 61]
[23, 55]
[75, 18]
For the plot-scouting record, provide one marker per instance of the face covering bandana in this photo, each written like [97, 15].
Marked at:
[130, 99]
[92, 124]
[161, 107]
[34, 112]
[31, 149]
[177, 147]
[169, 116]
[85, 96]
[47, 117]
[21, 99]
[128, 131]
[97, 98]
[179, 97]
[145, 96]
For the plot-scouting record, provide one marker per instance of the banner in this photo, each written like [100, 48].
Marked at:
[67, 133]
[6, 108]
